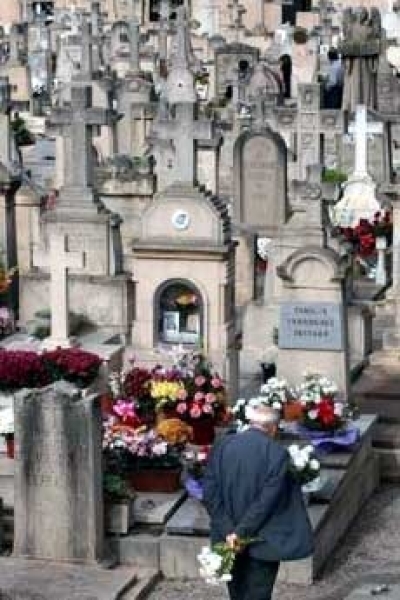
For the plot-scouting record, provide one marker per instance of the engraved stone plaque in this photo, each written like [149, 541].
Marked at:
[311, 326]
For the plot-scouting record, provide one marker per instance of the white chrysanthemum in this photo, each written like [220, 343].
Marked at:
[313, 414]
[314, 464]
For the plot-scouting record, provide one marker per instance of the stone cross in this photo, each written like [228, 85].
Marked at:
[86, 62]
[309, 124]
[361, 129]
[76, 124]
[60, 260]
[236, 12]
[184, 132]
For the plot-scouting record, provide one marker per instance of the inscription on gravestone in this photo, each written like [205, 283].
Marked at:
[311, 326]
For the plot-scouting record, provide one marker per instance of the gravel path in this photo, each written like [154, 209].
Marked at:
[370, 553]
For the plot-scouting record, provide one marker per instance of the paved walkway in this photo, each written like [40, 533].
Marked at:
[369, 554]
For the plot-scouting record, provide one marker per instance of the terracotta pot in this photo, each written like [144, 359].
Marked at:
[156, 480]
[203, 432]
[292, 411]
[10, 446]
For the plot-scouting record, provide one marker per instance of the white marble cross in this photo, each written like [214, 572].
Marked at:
[361, 129]
[60, 260]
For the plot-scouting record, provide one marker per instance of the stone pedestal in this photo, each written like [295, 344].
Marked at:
[58, 476]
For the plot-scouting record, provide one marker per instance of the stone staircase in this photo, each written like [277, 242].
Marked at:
[168, 538]
[173, 545]
[378, 391]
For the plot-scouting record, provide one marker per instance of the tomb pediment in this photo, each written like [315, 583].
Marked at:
[185, 216]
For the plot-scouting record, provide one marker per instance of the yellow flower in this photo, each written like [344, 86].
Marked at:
[165, 390]
[175, 431]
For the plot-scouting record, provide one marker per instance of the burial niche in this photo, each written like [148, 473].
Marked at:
[179, 314]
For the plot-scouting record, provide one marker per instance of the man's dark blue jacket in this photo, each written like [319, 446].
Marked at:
[248, 490]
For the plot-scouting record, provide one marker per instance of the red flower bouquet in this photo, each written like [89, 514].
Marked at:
[72, 364]
[323, 415]
[22, 369]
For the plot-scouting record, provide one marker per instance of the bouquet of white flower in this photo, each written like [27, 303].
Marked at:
[314, 388]
[304, 466]
[216, 563]
[276, 392]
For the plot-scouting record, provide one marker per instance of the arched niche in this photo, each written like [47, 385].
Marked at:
[178, 313]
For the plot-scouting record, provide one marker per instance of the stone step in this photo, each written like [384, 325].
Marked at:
[28, 579]
[353, 478]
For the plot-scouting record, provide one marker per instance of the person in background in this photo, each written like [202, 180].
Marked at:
[333, 88]
[285, 64]
[251, 495]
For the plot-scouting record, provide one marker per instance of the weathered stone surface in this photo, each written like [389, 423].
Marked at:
[391, 592]
[260, 181]
[36, 580]
[58, 475]
[190, 519]
[155, 509]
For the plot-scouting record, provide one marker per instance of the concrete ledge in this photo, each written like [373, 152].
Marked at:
[29, 579]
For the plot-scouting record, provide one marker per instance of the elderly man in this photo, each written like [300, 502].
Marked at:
[250, 494]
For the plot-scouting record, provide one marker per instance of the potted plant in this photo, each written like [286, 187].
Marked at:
[149, 463]
[321, 411]
[118, 504]
[154, 465]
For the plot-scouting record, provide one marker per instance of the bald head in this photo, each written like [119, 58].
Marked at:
[264, 417]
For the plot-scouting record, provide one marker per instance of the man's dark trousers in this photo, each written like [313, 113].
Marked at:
[252, 579]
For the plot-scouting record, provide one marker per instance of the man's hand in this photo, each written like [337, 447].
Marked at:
[233, 542]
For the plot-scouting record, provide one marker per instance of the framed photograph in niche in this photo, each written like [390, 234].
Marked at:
[170, 325]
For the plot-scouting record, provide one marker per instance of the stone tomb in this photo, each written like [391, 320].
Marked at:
[59, 519]
[351, 479]
[313, 330]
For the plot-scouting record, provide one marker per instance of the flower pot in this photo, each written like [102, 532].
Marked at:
[292, 411]
[203, 432]
[9, 445]
[156, 480]
[119, 516]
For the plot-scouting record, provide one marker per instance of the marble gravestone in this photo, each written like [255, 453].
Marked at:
[58, 476]
[260, 182]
